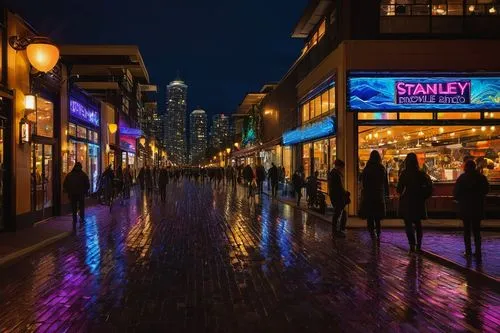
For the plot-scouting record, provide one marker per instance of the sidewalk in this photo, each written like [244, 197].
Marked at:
[18, 244]
[442, 242]
[15, 245]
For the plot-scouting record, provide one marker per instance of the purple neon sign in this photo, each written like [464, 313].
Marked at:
[433, 92]
[81, 112]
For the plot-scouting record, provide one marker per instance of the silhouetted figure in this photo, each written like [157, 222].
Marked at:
[373, 194]
[76, 185]
[141, 177]
[260, 173]
[162, 184]
[148, 180]
[470, 191]
[273, 178]
[414, 188]
[298, 182]
[127, 182]
[339, 198]
[248, 176]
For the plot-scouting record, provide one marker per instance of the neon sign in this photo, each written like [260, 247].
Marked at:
[135, 132]
[413, 91]
[79, 111]
[317, 130]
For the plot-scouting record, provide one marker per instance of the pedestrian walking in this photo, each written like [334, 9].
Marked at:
[260, 172]
[273, 178]
[162, 184]
[118, 184]
[249, 178]
[148, 180]
[141, 178]
[339, 198]
[127, 182]
[375, 190]
[414, 188]
[470, 191]
[76, 185]
[298, 182]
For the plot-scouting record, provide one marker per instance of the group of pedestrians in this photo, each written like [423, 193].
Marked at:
[414, 188]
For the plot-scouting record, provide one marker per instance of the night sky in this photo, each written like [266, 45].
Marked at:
[222, 49]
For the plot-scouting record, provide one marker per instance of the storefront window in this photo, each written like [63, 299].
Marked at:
[320, 149]
[93, 166]
[287, 162]
[333, 151]
[72, 129]
[415, 115]
[458, 115]
[81, 132]
[306, 159]
[378, 116]
[322, 104]
[492, 115]
[81, 152]
[441, 149]
[71, 155]
[43, 117]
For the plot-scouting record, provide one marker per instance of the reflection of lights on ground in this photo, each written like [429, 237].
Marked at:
[284, 242]
[92, 248]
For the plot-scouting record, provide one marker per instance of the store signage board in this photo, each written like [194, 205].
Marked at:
[316, 130]
[81, 112]
[128, 144]
[135, 132]
[423, 92]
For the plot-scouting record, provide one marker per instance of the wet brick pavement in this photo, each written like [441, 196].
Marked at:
[450, 245]
[209, 261]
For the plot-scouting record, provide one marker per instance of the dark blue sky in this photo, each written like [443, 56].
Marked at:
[223, 49]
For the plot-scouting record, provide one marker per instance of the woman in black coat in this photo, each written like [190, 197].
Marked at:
[414, 188]
[375, 190]
[470, 190]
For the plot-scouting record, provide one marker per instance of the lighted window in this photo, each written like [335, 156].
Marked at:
[459, 115]
[306, 158]
[415, 115]
[315, 37]
[482, 7]
[43, 117]
[321, 29]
[325, 106]
[305, 112]
[331, 98]
[492, 115]
[377, 116]
[81, 132]
[317, 106]
[72, 129]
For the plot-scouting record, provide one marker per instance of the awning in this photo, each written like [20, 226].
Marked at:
[255, 149]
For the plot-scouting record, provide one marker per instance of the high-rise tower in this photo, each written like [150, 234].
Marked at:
[198, 133]
[175, 125]
[219, 132]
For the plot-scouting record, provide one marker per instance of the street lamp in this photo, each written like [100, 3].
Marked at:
[42, 53]
[112, 128]
[237, 145]
[228, 150]
[142, 141]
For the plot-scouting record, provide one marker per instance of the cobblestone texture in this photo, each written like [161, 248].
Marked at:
[210, 261]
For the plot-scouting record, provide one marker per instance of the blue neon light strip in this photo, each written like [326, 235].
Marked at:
[376, 92]
[317, 130]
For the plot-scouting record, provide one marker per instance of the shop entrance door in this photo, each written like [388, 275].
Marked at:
[42, 176]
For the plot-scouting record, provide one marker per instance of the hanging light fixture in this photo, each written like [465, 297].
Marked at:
[142, 141]
[42, 54]
[112, 128]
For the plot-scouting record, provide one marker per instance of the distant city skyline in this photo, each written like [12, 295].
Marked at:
[175, 121]
[219, 131]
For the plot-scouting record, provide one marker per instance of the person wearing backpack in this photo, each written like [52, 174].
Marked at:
[470, 191]
[414, 188]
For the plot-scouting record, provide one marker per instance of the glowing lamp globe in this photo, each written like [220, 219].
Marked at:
[142, 141]
[42, 56]
[112, 128]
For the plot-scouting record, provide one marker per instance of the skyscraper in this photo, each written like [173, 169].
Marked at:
[198, 132]
[176, 121]
[219, 134]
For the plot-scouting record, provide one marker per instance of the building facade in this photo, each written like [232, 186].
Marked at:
[220, 132]
[198, 134]
[176, 108]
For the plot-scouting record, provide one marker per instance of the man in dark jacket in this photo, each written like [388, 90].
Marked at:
[339, 198]
[273, 178]
[261, 176]
[470, 190]
[298, 183]
[162, 184]
[77, 184]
